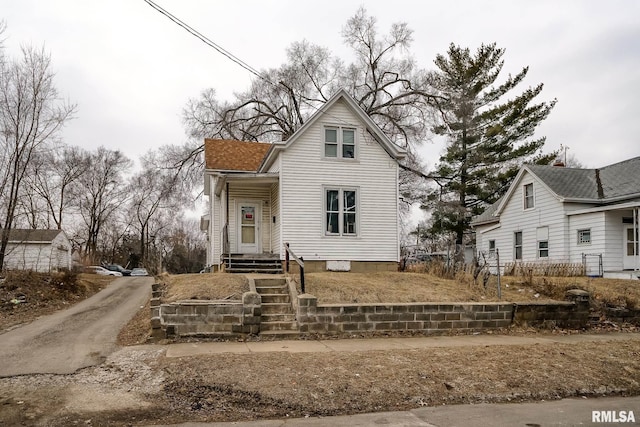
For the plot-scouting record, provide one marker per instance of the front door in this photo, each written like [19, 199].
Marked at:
[248, 228]
[631, 255]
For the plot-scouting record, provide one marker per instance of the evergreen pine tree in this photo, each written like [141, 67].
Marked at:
[488, 137]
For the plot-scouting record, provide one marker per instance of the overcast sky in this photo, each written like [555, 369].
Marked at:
[131, 70]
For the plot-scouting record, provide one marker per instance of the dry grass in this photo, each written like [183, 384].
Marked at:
[392, 287]
[396, 287]
[210, 286]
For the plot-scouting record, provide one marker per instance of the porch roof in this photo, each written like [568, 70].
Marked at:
[255, 178]
[231, 155]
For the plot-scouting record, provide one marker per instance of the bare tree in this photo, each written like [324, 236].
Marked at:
[153, 190]
[31, 116]
[99, 192]
[51, 177]
[383, 79]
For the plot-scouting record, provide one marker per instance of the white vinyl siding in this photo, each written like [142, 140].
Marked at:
[305, 173]
[546, 212]
[595, 222]
[276, 243]
[215, 226]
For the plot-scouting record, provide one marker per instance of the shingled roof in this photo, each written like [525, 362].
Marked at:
[231, 155]
[20, 235]
[598, 185]
[609, 184]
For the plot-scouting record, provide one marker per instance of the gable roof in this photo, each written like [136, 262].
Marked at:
[616, 181]
[613, 183]
[374, 130]
[20, 235]
[230, 155]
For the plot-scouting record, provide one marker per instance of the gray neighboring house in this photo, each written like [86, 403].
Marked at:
[557, 214]
[37, 250]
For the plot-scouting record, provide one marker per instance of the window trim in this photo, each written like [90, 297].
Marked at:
[517, 246]
[526, 197]
[541, 249]
[341, 211]
[340, 142]
[580, 236]
[492, 247]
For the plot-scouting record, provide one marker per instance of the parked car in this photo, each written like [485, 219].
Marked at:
[96, 269]
[119, 268]
[139, 272]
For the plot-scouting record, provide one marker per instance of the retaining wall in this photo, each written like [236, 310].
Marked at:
[224, 318]
[436, 317]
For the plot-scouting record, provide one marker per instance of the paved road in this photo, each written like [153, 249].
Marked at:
[84, 335]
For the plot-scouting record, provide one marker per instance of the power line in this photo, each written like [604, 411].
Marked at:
[207, 41]
[234, 58]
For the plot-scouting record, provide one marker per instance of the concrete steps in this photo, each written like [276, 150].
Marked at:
[278, 319]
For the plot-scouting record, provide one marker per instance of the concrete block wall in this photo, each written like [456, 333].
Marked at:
[623, 315]
[438, 317]
[211, 318]
[426, 317]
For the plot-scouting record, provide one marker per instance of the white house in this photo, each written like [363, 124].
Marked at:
[330, 191]
[37, 250]
[558, 214]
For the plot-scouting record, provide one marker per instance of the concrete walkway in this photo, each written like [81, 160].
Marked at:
[565, 412]
[369, 344]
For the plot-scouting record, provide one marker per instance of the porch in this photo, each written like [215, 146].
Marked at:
[262, 263]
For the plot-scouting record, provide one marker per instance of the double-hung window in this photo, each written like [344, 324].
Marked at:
[339, 142]
[341, 212]
[528, 196]
[517, 245]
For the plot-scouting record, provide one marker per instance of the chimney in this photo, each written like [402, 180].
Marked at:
[559, 163]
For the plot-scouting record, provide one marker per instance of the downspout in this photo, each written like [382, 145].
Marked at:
[227, 244]
[635, 238]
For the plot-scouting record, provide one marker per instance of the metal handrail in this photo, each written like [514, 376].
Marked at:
[289, 253]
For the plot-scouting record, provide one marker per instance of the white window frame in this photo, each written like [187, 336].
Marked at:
[543, 249]
[516, 245]
[580, 236]
[492, 247]
[340, 211]
[525, 197]
[340, 142]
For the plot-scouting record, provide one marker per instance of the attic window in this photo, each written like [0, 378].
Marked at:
[528, 196]
[339, 142]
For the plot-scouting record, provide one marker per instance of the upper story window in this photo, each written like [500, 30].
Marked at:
[339, 142]
[492, 248]
[528, 196]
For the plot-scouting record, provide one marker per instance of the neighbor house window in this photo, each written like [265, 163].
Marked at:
[517, 245]
[542, 236]
[341, 212]
[584, 237]
[492, 248]
[528, 196]
[543, 249]
[340, 142]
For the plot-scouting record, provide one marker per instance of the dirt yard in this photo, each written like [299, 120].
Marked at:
[138, 386]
